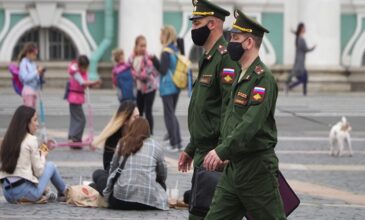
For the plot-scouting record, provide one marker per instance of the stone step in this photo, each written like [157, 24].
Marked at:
[321, 79]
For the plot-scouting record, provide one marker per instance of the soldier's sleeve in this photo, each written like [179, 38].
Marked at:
[190, 149]
[251, 122]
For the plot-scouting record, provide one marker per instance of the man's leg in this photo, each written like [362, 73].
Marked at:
[225, 205]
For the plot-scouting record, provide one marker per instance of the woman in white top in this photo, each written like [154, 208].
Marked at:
[24, 172]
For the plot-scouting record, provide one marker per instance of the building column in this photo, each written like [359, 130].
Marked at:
[140, 17]
[322, 21]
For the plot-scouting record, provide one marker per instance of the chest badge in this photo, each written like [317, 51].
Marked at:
[240, 99]
[259, 70]
[228, 75]
[205, 79]
[258, 94]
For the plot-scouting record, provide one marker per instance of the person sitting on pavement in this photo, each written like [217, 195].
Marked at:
[109, 138]
[24, 171]
[141, 184]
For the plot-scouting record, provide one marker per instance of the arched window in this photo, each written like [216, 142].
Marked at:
[53, 44]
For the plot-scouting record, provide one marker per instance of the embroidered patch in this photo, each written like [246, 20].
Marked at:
[240, 99]
[242, 95]
[259, 90]
[258, 93]
[259, 70]
[228, 75]
[205, 79]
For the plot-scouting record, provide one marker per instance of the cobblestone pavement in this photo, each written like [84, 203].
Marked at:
[329, 188]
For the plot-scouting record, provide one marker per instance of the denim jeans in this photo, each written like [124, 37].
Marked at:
[33, 192]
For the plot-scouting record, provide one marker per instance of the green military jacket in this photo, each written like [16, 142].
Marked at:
[210, 96]
[249, 125]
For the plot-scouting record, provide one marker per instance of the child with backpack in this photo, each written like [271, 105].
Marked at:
[30, 74]
[122, 77]
[75, 95]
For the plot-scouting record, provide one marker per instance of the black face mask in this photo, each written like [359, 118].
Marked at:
[200, 35]
[235, 50]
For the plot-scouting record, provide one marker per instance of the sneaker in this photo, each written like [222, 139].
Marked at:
[62, 197]
[171, 149]
[180, 147]
[51, 196]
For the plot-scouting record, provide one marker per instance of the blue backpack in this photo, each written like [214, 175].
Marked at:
[125, 84]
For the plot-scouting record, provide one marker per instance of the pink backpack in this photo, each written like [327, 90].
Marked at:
[17, 84]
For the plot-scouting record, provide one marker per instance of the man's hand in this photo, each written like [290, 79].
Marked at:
[184, 162]
[212, 161]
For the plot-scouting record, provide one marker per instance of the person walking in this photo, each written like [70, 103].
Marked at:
[168, 91]
[30, 74]
[145, 76]
[299, 70]
[212, 87]
[249, 183]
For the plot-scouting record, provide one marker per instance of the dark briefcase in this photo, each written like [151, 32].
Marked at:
[202, 190]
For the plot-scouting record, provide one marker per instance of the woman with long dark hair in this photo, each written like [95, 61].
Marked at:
[299, 70]
[108, 139]
[24, 171]
[141, 184]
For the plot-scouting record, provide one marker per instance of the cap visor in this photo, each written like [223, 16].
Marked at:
[193, 17]
[235, 30]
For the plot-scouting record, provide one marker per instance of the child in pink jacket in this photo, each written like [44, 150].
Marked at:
[75, 95]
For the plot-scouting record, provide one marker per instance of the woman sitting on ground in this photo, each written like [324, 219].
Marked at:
[141, 184]
[24, 171]
[109, 137]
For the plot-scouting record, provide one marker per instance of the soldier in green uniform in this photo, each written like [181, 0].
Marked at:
[212, 87]
[249, 182]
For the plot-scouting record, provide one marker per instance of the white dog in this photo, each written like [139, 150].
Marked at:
[339, 137]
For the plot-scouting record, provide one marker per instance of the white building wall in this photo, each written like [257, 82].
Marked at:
[140, 17]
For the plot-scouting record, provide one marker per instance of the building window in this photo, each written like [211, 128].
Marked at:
[53, 44]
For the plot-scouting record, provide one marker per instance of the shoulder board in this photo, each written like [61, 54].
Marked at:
[222, 49]
[259, 70]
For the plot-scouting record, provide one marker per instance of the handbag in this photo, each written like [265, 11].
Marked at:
[84, 196]
[115, 178]
[202, 190]
[203, 187]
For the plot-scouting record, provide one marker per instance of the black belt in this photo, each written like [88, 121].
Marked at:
[15, 184]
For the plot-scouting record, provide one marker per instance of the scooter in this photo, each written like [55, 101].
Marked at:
[52, 143]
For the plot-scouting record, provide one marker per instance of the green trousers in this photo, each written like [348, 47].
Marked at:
[249, 186]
